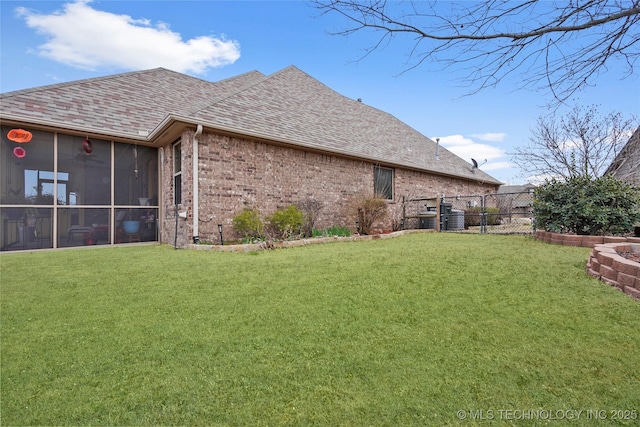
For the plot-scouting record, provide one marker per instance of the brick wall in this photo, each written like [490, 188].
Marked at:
[237, 173]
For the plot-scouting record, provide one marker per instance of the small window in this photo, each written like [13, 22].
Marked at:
[177, 173]
[383, 182]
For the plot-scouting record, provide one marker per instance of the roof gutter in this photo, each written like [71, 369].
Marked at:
[52, 126]
[196, 179]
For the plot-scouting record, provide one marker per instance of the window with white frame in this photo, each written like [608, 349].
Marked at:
[177, 173]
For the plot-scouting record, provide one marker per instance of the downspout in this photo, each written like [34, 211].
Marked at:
[196, 179]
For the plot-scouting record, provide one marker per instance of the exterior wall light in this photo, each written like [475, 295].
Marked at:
[220, 231]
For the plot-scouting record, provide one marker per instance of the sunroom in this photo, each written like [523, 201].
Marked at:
[59, 190]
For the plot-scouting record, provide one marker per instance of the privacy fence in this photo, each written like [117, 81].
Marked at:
[497, 213]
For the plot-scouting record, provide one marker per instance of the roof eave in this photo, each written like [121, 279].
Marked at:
[171, 127]
[53, 126]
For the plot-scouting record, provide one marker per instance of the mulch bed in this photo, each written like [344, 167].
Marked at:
[632, 256]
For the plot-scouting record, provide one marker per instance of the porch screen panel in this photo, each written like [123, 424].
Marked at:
[136, 175]
[83, 178]
[26, 191]
[22, 178]
[83, 226]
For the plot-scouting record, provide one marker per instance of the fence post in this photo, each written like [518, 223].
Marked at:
[483, 215]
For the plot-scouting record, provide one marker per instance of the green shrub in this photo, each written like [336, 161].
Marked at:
[369, 210]
[248, 223]
[472, 216]
[288, 221]
[587, 206]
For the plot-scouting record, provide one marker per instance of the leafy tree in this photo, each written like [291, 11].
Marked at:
[587, 206]
[580, 143]
[560, 45]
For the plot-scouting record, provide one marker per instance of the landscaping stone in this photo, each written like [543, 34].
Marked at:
[626, 266]
[608, 272]
[626, 279]
[585, 241]
[614, 239]
[631, 291]
[606, 263]
[605, 259]
[591, 241]
[570, 240]
[302, 242]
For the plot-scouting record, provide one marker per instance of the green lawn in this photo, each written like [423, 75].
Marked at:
[404, 331]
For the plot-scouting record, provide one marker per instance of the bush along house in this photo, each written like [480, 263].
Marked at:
[160, 156]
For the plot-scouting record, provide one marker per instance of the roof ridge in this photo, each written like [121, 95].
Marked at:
[238, 76]
[206, 104]
[252, 84]
[242, 88]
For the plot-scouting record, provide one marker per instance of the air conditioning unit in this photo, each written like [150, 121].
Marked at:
[456, 220]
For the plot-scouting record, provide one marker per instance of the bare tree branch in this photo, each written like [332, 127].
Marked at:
[559, 45]
[580, 143]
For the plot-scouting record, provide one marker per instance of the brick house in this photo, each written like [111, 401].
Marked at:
[111, 159]
[626, 165]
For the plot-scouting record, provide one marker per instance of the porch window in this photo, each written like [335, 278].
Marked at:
[383, 182]
[57, 194]
[177, 173]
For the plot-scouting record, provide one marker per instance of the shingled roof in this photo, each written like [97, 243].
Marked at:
[288, 107]
[626, 165]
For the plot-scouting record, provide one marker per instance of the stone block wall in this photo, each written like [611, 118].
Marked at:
[235, 173]
[583, 241]
[605, 264]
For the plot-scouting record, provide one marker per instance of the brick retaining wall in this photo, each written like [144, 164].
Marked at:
[583, 241]
[605, 264]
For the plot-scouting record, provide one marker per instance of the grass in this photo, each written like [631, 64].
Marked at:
[404, 331]
[332, 231]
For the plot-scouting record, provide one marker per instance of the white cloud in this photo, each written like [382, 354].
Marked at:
[491, 137]
[455, 141]
[467, 148]
[540, 179]
[493, 166]
[87, 38]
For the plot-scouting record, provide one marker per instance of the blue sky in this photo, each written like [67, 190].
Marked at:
[52, 42]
